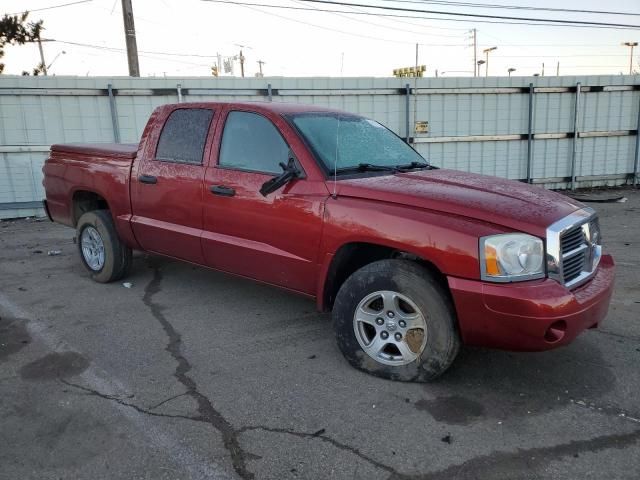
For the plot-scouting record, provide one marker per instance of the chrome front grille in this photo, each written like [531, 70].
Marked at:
[573, 248]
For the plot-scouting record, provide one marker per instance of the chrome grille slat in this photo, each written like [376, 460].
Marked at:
[576, 251]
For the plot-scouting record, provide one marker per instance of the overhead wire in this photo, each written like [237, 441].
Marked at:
[50, 7]
[568, 23]
[482, 16]
[252, 6]
[346, 15]
[513, 7]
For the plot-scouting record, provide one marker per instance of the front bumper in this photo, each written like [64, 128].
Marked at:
[530, 316]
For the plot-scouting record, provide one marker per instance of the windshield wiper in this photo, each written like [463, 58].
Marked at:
[413, 165]
[369, 167]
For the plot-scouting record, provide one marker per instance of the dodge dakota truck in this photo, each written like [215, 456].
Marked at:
[412, 260]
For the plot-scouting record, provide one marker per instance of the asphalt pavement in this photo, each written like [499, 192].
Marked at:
[191, 373]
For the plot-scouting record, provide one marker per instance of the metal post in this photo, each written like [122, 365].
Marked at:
[637, 159]
[575, 137]
[530, 135]
[475, 53]
[407, 93]
[269, 93]
[42, 62]
[179, 89]
[114, 114]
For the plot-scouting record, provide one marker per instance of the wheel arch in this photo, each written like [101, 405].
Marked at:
[83, 201]
[352, 256]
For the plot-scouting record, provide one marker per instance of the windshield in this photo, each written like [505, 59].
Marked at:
[344, 141]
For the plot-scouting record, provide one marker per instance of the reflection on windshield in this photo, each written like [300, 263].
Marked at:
[343, 141]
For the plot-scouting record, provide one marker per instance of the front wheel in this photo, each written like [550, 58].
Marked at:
[102, 252]
[392, 319]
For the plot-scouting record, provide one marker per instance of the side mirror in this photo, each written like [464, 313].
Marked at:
[290, 171]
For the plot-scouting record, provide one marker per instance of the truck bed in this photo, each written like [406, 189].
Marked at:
[113, 150]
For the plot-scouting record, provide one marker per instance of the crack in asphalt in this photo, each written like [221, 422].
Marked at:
[118, 400]
[321, 436]
[207, 412]
[482, 466]
[153, 407]
[497, 463]
[489, 463]
[326, 439]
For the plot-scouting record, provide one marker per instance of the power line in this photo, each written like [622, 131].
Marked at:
[478, 15]
[566, 56]
[252, 6]
[514, 7]
[103, 47]
[361, 12]
[51, 7]
[391, 15]
[146, 54]
[346, 15]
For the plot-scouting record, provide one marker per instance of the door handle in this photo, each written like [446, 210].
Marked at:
[222, 190]
[150, 179]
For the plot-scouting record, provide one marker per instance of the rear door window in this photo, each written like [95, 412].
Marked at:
[252, 142]
[184, 136]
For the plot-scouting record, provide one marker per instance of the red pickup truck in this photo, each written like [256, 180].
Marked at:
[413, 260]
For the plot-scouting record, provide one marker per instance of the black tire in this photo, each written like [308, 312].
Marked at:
[117, 256]
[418, 285]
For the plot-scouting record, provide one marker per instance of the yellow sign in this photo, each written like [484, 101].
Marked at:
[422, 127]
[410, 71]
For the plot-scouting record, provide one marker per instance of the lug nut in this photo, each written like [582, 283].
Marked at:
[384, 335]
[398, 336]
[379, 320]
[402, 323]
[390, 314]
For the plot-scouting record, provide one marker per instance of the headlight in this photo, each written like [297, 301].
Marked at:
[511, 257]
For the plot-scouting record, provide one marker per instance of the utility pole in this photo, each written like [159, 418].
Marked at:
[486, 54]
[626, 44]
[543, 69]
[130, 37]
[260, 63]
[558, 69]
[241, 58]
[42, 62]
[475, 53]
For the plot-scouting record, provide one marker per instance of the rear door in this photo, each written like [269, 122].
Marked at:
[167, 188]
[275, 238]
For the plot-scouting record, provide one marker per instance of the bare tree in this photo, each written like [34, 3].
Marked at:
[14, 30]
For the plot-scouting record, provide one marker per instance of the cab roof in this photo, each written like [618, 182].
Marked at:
[275, 107]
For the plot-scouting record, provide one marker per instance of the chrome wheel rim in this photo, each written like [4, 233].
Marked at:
[390, 328]
[92, 248]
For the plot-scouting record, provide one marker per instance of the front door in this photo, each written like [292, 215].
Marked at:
[167, 189]
[275, 238]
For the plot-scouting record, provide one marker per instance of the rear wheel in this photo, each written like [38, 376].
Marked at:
[394, 320]
[102, 252]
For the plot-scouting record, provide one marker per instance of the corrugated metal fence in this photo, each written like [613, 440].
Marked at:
[556, 131]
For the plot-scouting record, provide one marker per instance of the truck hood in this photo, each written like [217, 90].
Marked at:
[507, 203]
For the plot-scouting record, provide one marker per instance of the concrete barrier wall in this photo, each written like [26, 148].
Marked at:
[537, 129]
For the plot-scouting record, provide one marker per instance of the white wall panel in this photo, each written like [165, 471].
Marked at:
[39, 111]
